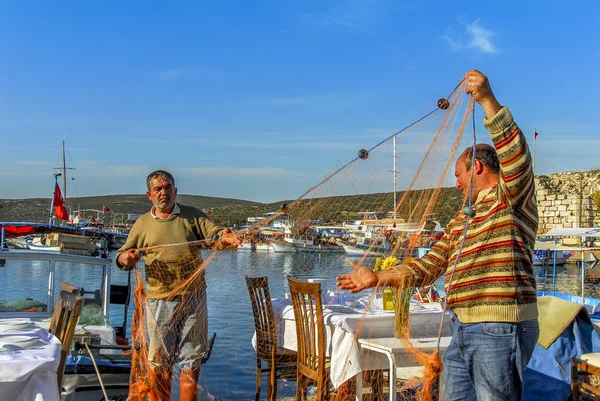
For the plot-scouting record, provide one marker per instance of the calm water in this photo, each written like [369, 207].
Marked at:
[230, 372]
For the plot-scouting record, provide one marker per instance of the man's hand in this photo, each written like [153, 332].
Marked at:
[129, 258]
[479, 87]
[230, 238]
[361, 279]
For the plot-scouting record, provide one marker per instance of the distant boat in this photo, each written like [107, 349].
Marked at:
[40, 247]
[303, 239]
[367, 247]
[549, 254]
[255, 247]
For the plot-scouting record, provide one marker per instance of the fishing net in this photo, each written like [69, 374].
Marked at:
[352, 215]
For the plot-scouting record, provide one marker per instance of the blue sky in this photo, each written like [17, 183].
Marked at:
[260, 100]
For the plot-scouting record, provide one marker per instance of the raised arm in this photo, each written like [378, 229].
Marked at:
[516, 170]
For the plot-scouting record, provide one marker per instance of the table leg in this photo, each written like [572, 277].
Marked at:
[359, 387]
[392, 360]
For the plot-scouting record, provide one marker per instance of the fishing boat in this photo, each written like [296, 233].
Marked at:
[32, 282]
[36, 245]
[547, 254]
[303, 239]
[380, 241]
[255, 246]
[378, 247]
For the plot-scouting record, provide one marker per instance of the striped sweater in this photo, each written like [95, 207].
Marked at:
[494, 279]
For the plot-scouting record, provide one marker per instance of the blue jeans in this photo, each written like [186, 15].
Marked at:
[485, 361]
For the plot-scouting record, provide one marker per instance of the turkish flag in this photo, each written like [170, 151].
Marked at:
[535, 134]
[106, 209]
[60, 211]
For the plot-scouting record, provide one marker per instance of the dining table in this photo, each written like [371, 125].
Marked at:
[29, 359]
[346, 325]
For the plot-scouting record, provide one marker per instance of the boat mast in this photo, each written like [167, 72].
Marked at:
[63, 170]
[394, 172]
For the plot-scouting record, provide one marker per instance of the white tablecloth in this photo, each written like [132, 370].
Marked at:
[344, 325]
[29, 358]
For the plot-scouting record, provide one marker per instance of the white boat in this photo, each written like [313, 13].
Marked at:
[366, 247]
[35, 245]
[255, 247]
[286, 247]
[34, 295]
[549, 254]
[377, 222]
[303, 239]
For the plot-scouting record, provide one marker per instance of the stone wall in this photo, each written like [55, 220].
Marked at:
[564, 200]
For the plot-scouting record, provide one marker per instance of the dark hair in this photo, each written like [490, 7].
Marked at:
[485, 153]
[165, 175]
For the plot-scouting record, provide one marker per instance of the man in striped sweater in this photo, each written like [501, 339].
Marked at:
[489, 276]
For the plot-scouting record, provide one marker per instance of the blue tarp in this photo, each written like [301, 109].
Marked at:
[548, 374]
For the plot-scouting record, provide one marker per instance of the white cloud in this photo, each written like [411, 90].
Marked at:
[32, 163]
[475, 37]
[322, 103]
[480, 38]
[170, 74]
[357, 15]
[293, 145]
[227, 171]
[97, 168]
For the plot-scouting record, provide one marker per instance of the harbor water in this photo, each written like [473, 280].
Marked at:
[230, 373]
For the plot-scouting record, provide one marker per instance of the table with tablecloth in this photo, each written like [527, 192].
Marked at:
[345, 325]
[29, 359]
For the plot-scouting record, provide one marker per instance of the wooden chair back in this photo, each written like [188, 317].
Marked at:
[67, 311]
[264, 319]
[281, 363]
[310, 333]
[63, 287]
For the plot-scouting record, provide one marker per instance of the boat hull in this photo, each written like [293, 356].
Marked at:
[279, 247]
[352, 250]
[541, 259]
[35, 247]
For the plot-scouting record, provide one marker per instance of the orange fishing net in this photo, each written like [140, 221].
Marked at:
[351, 213]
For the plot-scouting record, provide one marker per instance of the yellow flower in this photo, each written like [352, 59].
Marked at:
[385, 264]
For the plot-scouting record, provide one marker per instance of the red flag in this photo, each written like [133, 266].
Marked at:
[106, 209]
[535, 134]
[60, 211]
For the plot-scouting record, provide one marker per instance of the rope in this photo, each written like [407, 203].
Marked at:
[97, 371]
[470, 203]
[142, 251]
[378, 144]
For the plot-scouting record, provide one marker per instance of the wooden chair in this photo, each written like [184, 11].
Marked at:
[582, 368]
[281, 363]
[313, 366]
[67, 311]
[70, 288]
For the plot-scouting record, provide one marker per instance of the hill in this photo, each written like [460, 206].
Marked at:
[225, 211]
[37, 209]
